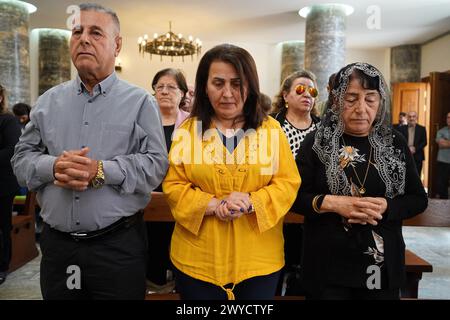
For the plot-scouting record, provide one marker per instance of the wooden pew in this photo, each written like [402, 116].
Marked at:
[23, 235]
[24, 248]
[158, 210]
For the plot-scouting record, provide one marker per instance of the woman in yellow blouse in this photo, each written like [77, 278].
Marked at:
[231, 181]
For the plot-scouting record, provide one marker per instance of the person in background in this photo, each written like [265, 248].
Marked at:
[9, 135]
[188, 99]
[94, 151]
[358, 183]
[22, 112]
[402, 120]
[229, 204]
[295, 107]
[443, 159]
[416, 135]
[170, 92]
[296, 113]
[322, 105]
[266, 103]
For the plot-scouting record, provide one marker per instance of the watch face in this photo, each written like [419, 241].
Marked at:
[98, 182]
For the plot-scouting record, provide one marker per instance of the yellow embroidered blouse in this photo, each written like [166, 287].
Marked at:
[207, 248]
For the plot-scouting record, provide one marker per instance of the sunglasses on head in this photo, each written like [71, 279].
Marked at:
[300, 89]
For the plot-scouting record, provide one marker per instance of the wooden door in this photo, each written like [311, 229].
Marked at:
[439, 106]
[414, 96]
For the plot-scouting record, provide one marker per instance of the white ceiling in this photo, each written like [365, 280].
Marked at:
[262, 21]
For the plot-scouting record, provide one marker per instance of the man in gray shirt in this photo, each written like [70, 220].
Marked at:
[443, 159]
[94, 150]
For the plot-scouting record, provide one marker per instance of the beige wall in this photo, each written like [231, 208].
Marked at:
[380, 58]
[436, 56]
[140, 70]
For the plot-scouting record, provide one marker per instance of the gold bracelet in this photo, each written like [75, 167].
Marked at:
[314, 203]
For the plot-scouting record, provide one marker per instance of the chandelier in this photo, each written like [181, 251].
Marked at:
[170, 44]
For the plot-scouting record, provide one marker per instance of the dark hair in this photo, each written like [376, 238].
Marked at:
[99, 8]
[402, 114]
[366, 81]
[21, 109]
[329, 102]
[179, 78]
[245, 67]
[3, 108]
[265, 102]
[279, 103]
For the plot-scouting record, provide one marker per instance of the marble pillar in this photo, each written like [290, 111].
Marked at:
[54, 58]
[405, 63]
[15, 51]
[325, 43]
[292, 58]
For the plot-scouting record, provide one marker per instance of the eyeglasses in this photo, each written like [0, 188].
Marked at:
[300, 89]
[170, 88]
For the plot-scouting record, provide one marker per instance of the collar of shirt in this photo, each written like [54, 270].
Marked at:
[103, 87]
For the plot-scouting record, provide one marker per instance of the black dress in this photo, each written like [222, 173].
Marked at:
[9, 135]
[159, 235]
[338, 254]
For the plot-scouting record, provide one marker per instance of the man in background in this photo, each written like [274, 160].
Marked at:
[402, 121]
[416, 136]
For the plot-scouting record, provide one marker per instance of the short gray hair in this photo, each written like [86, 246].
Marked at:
[99, 8]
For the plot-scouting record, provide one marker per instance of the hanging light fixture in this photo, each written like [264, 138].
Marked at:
[170, 44]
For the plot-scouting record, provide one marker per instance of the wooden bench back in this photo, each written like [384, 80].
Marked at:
[437, 213]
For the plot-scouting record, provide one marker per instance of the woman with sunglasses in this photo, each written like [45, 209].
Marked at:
[295, 107]
[358, 183]
[295, 111]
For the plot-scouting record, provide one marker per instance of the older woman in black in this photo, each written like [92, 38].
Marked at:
[359, 183]
[9, 135]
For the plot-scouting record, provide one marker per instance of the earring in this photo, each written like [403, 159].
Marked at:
[286, 104]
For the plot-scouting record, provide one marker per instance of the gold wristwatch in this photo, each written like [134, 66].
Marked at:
[99, 180]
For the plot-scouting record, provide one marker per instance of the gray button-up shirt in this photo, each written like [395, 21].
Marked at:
[121, 124]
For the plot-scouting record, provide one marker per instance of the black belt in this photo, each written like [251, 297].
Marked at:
[120, 224]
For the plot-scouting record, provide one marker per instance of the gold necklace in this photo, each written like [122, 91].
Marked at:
[362, 189]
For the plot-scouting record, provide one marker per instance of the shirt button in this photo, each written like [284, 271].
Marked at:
[83, 147]
[89, 101]
[78, 223]
[86, 123]
[77, 198]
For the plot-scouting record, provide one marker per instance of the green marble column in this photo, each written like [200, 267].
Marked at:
[54, 58]
[15, 50]
[292, 57]
[325, 43]
[405, 63]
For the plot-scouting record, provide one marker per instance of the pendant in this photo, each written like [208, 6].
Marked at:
[362, 190]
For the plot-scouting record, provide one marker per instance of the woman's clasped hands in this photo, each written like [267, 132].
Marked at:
[233, 206]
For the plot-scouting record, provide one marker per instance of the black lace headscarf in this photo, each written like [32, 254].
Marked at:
[389, 160]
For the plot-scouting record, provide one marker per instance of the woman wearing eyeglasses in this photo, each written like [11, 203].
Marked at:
[358, 183]
[170, 91]
[295, 111]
